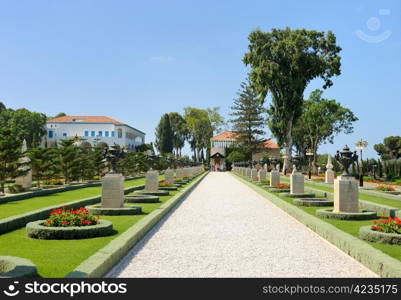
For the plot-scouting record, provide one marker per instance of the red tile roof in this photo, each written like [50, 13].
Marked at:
[230, 136]
[224, 136]
[85, 119]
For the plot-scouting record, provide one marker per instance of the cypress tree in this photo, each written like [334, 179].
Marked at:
[164, 135]
[248, 121]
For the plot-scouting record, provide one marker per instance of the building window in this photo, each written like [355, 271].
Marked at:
[86, 133]
[113, 134]
[119, 133]
[100, 133]
[106, 133]
[50, 134]
[92, 133]
[64, 134]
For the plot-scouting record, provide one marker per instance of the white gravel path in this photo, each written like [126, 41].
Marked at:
[225, 229]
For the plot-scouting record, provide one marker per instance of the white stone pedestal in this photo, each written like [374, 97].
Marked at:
[346, 195]
[169, 176]
[329, 178]
[113, 191]
[297, 183]
[254, 173]
[274, 178]
[248, 172]
[152, 181]
[25, 181]
[262, 175]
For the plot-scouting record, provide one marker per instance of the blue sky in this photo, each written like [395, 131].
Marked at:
[134, 60]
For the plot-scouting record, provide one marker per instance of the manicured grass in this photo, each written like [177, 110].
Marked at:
[362, 196]
[351, 227]
[56, 258]
[23, 206]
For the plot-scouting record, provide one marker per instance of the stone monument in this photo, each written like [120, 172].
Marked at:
[113, 182]
[297, 182]
[169, 176]
[179, 173]
[26, 180]
[346, 193]
[329, 175]
[262, 175]
[254, 173]
[248, 172]
[152, 181]
[275, 177]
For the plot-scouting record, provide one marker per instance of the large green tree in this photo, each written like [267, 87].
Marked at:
[180, 132]
[25, 125]
[164, 135]
[11, 165]
[283, 62]
[69, 159]
[390, 148]
[321, 120]
[200, 130]
[248, 121]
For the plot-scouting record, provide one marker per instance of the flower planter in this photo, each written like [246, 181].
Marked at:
[303, 195]
[127, 210]
[168, 188]
[154, 193]
[37, 231]
[12, 267]
[141, 199]
[368, 234]
[278, 190]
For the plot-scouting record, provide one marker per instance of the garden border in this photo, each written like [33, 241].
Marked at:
[366, 233]
[22, 267]
[104, 259]
[374, 259]
[18, 221]
[46, 192]
[36, 230]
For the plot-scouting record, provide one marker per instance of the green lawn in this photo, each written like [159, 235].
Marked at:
[23, 206]
[351, 227]
[56, 258]
[362, 196]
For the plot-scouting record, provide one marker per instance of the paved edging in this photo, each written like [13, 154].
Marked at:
[103, 260]
[18, 221]
[374, 259]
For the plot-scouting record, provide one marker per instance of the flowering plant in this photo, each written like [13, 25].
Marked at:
[186, 178]
[388, 225]
[283, 186]
[266, 181]
[61, 217]
[178, 179]
[385, 188]
[256, 178]
[318, 179]
[164, 183]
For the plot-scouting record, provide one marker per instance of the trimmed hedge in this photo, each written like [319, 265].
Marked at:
[12, 267]
[368, 234]
[141, 199]
[105, 259]
[168, 188]
[362, 215]
[123, 211]
[303, 195]
[154, 193]
[312, 202]
[45, 192]
[37, 231]
[18, 221]
[374, 259]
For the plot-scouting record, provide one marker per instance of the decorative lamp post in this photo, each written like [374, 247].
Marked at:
[346, 158]
[113, 155]
[361, 145]
[309, 153]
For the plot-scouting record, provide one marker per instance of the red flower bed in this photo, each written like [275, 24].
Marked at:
[385, 188]
[62, 217]
[164, 183]
[388, 225]
[283, 186]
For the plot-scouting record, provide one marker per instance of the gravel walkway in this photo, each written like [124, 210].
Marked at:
[225, 229]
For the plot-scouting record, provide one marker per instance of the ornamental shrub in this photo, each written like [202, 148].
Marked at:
[61, 217]
[283, 186]
[388, 225]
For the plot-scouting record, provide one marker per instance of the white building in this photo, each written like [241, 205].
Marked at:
[94, 129]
